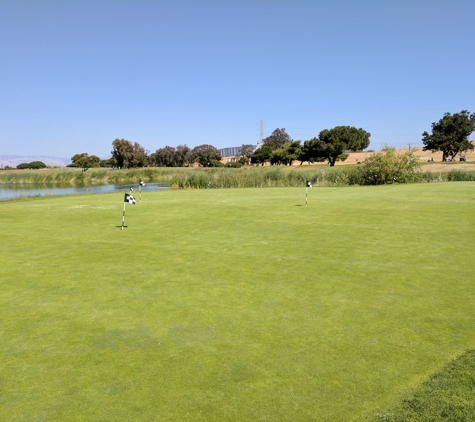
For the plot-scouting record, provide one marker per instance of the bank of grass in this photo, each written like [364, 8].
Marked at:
[91, 176]
[199, 178]
[233, 304]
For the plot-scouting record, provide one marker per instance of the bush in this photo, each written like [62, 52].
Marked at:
[388, 166]
[216, 163]
[233, 164]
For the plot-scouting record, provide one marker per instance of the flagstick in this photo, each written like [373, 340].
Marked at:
[140, 192]
[123, 217]
[306, 196]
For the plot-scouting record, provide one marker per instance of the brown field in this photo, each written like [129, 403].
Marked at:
[424, 156]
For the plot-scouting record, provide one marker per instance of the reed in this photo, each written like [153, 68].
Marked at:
[202, 178]
[90, 177]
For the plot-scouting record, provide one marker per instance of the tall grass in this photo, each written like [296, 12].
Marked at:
[92, 176]
[259, 178]
[201, 178]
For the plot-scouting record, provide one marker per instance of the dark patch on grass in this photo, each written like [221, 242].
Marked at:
[448, 395]
[193, 334]
[127, 340]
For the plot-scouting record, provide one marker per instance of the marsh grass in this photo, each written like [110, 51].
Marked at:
[200, 178]
[233, 304]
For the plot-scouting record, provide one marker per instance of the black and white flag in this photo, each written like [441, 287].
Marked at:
[129, 198]
[309, 185]
[142, 183]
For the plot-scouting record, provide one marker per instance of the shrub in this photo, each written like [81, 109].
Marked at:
[233, 164]
[216, 163]
[388, 166]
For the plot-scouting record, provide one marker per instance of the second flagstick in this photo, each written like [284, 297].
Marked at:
[308, 185]
[141, 183]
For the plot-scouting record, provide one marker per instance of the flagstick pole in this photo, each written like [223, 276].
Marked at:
[140, 192]
[123, 217]
[306, 196]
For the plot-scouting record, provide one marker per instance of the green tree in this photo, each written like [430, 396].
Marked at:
[122, 152]
[107, 163]
[450, 134]
[305, 154]
[164, 157]
[128, 155]
[139, 156]
[205, 154]
[244, 157]
[85, 161]
[286, 154]
[184, 156]
[331, 144]
[388, 166]
[34, 165]
[278, 138]
[261, 155]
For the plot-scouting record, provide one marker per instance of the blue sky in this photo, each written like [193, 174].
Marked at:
[76, 74]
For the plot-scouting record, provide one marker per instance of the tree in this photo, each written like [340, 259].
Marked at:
[332, 143]
[122, 152]
[184, 156]
[107, 163]
[278, 138]
[129, 155]
[34, 165]
[85, 161]
[261, 155]
[139, 156]
[286, 154]
[205, 155]
[305, 154]
[450, 134]
[244, 157]
[164, 157]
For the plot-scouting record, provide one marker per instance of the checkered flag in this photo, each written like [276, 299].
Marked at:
[129, 198]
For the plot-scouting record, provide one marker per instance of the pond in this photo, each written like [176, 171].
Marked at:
[28, 190]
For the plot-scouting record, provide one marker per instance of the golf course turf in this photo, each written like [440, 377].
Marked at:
[233, 304]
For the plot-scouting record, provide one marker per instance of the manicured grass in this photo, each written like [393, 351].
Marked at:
[449, 395]
[233, 305]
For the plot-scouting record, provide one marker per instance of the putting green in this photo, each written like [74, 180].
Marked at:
[225, 305]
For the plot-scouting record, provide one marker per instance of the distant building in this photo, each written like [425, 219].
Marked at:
[232, 151]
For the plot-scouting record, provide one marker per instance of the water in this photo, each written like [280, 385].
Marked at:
[26, 190]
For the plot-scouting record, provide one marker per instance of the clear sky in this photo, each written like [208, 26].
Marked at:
[76, 74]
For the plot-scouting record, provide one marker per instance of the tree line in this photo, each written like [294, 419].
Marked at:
[449, 135]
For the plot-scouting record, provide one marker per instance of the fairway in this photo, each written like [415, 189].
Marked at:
[233, 304]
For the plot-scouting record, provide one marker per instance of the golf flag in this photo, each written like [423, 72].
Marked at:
[307, 185]
[129, 198]
[142, 183]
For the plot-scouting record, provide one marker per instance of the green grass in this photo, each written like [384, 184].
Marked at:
[449, 395]
[233, 305]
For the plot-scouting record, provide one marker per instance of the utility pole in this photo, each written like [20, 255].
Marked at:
[261, 131]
